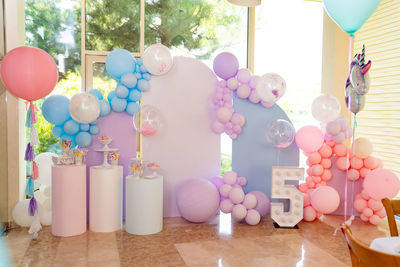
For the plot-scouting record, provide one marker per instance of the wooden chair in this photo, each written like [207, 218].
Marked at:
[392, 207]
[363, 256]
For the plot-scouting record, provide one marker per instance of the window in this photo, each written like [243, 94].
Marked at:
[379, 121]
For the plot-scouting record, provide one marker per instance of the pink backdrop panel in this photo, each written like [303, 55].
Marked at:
[186, 147]
[119, 127]
[338, 182]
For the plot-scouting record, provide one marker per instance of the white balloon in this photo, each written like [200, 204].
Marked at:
[157, 59]
[46, 205]
[45, 217]
[271, 87]
[44, 162]
[40, 197]
[84, 107]
[20, 213]
[325, 108]
[46, 190]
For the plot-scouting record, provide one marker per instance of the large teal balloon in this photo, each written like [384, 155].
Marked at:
[350, 15]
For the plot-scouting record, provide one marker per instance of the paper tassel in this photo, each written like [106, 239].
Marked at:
[28, 123]
[29, 187]
[35, 226]
[29, 153]
[35, 170]
[34, 136]
[32, 206]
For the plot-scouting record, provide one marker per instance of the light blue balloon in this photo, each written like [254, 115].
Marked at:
[93, 122]
[138, 75]
[134, 95]
[84, 126]
[350, 15]
[121, 91]
[140, 61]
[119, 62]
[83, 139]
[55, 109]
[94, 129]
[146, 76]
[137, 68]
[129, 80]
[132, 108]
[111, 95]
[97, 93]
[69, 137]
[71, 127]
[118, 104]
[143, 68]
[104, 108]
[57, 131]
[143, 85]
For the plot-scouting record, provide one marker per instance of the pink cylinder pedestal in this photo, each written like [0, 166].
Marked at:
[68, 196]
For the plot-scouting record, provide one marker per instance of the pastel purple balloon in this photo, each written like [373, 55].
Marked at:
[224, 114]
[253, 81]
[197, 200]
[222, 83]
[237, 129]
[244, 75]
[242, 181]
[217, 181]
[226, 65]
[233, 84]
[243, 91]
[226, 206]
[263, 203]
[218, 127]
[254, 98]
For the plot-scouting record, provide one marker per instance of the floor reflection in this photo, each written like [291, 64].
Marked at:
[225, 224]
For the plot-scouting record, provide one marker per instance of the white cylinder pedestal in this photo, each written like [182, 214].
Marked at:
[144, 205]
[105, 202]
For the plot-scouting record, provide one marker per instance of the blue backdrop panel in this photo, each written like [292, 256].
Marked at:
[252, 156]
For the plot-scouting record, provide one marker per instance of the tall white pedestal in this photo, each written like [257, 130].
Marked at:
[105, 202]
[144, 205]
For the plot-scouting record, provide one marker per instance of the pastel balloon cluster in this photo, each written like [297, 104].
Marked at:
[56, 110]
[250, 207]
[244, 84]
[133, 79]
[337, 130]
[371, 210]
[322, 200]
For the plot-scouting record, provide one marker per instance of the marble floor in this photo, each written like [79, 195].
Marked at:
[217, 243]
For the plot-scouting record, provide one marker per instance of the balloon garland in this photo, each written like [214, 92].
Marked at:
[265, 90]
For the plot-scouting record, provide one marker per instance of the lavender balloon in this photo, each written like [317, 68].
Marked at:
[226, 65]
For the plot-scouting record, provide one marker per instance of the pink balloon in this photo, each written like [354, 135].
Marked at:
[222, 83]
[250, 201]
[236, 195]
[243, 91]
[381, 183]
[371, 163]
[309, 138]
[340, 150]
[316, 179]
[253, 81]
[197, 200]
[364, 218]
[303, 188]
[219, 96]
[339, 137]
[217, 127]
[367, 212]
[223, 114]
[381, 213]
[239, 212]
[375, 205]
[326, 175]
[325, 151]
[315, 158]
[306, 201]
[253, 217]
[356, 163]
[342, 163]
[326, 163]
[317, 169]
[360, 204]
[364, 172]
[254, 98]
[267, 104]
[232, 83]
[243, 75]
[237, 129]
[230, 177]
[309, 214]
[29, 73]
[225, 189]
[365, 195]
[374, 219]
[353, 175]
[325, 199]
[226, 206]
[242, 181]
[263, 203]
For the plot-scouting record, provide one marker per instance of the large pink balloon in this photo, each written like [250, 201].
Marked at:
[29, 73]
[325, 199]
[197, 200]
[309, 138]
[381, 183]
